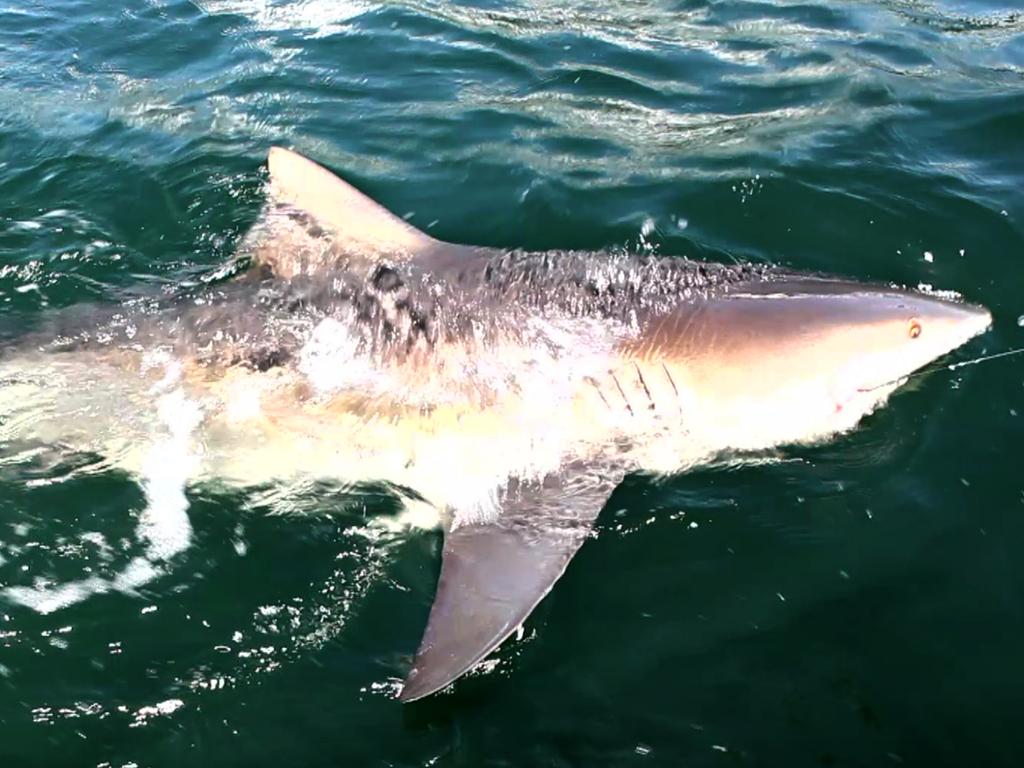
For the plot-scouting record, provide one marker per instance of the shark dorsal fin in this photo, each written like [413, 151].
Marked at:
[353, 223]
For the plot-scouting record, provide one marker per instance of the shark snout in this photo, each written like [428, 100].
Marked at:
[946, 324]
[975, 319]
[921, 328]
[912, 331]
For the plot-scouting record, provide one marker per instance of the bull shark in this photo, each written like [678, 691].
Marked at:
[509, 391]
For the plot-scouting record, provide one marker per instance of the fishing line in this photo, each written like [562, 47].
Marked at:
[985, 358]
[948, 367]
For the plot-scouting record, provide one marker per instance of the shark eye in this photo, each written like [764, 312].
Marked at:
[914, 330]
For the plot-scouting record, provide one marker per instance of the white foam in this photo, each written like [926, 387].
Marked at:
[46, 599]
[930, 290]
[138, 572]
[161, 359]
[49, 599]
[331, 359]
[164, 523]
[319, 17]
[415, 515]
[160, 709]
[243, 405]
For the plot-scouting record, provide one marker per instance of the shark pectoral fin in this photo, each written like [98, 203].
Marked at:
[494, 574]
[356, 222]
[492, 577]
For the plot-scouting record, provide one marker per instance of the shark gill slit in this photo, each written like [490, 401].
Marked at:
[597, 387]
[675, 389]
[640, 378]
[623, 393]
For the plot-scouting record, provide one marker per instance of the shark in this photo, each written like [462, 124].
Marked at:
[508, 391]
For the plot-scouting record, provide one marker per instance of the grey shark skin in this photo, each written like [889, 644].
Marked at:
[510, 391]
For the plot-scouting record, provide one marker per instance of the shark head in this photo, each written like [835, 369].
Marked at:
[799, 358]
[891, 335]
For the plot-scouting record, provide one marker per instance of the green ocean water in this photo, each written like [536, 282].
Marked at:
[855, 604]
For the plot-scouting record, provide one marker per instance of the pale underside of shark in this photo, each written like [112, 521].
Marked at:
[510, 391]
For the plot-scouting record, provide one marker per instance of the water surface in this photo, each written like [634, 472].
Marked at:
[857, 604]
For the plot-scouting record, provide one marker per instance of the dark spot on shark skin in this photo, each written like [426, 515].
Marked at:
[367, 307]
[263, 359]
[386, 279]
[419, 320]
[419, 328]
[306, 222]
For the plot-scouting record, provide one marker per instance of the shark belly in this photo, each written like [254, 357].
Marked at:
[263, 427]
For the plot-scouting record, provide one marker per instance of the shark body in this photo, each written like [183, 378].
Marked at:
[511, 391]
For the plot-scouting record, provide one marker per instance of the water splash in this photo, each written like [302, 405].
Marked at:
[163, 525]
